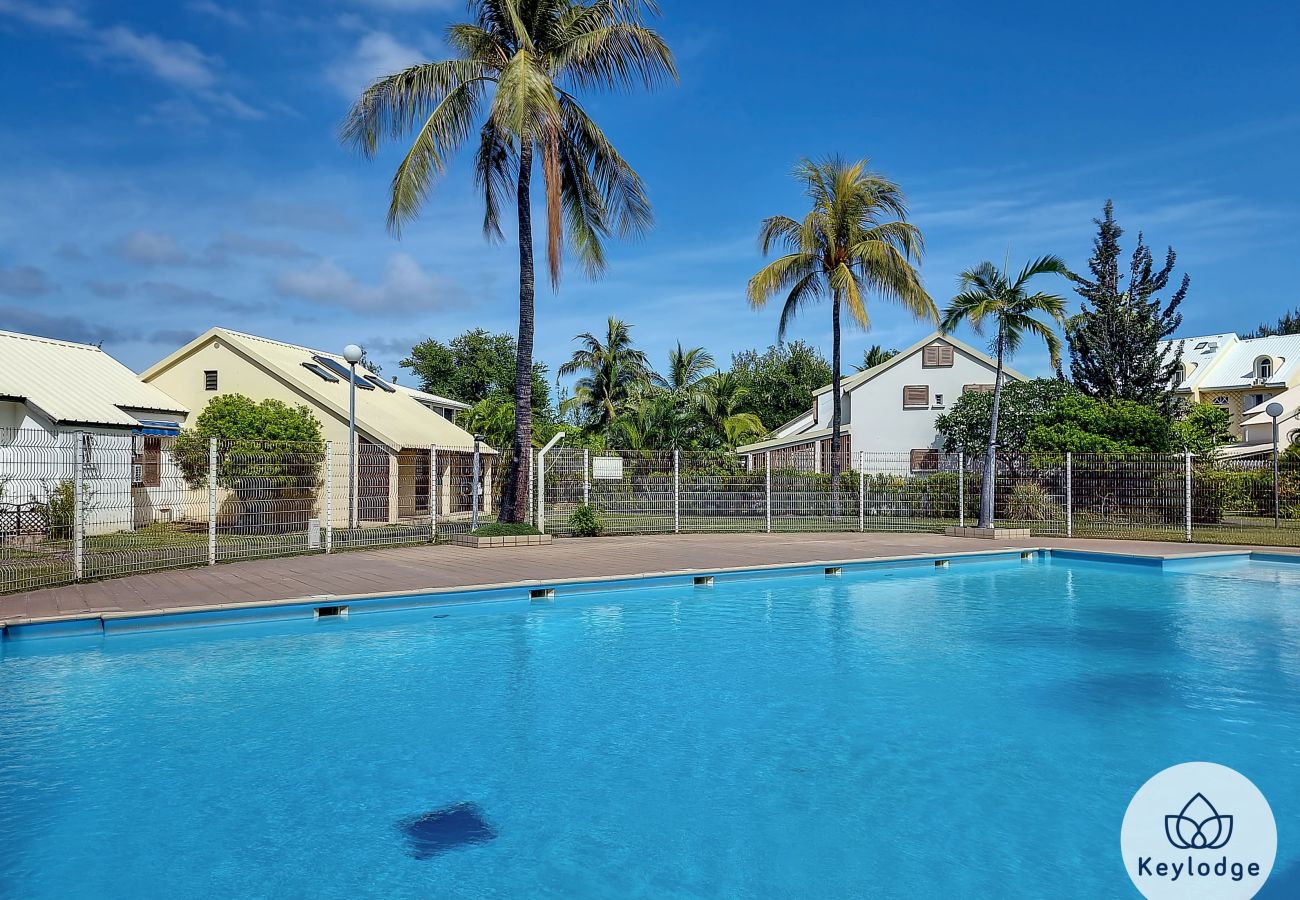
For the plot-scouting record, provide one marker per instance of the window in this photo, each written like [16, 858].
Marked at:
[319, 372]
[381, 384]
[925, 460]
[1256, 400]
[977, 388]
[146, 465]
[916, 396]
[937, 356]
[1264, 367]
[210, 380]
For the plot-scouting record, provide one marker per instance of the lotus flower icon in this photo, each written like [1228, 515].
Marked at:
[1199, 826]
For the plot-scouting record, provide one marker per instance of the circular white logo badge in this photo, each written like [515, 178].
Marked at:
[1199, 830]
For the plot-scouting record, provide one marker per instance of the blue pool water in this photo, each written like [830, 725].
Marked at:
[970, 732]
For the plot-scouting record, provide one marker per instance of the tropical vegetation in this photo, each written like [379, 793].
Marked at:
[513, 77]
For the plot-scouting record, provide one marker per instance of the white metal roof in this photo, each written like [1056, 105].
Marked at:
[426, 397]
[75, 383]
[1237, 367]
[396, 420]
[1200, 355]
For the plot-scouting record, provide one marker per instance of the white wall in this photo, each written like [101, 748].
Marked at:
[880, 423]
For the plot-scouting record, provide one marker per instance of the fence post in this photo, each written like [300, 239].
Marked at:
[212, 501]
[435, 488]
[586, 476]
[677, 491]
[767, 503]
[1187, 494]
[78, 507]
[862, 491]
[961, 489]
[329, 496]
[1069, 494]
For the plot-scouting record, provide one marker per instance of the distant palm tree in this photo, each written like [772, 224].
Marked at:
[514, 70]
[876, 355]
[612, 366]
[988, 295]
[685, 369]
[723, 398]
[855, 240]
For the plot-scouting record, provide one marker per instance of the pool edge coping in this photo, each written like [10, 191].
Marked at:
[66, 624]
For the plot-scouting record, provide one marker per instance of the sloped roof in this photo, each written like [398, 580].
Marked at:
[75, 383]
[1237, 367]
[426, 397]
[854, 381]
[396, 420]
[1200, 354]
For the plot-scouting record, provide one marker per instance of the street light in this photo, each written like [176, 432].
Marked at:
[1275, 410]
[352, 353]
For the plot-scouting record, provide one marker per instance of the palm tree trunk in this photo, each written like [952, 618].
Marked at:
[987, 486]
[514, 497]
[836, 462]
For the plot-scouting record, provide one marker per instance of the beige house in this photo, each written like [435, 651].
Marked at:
[399, 431]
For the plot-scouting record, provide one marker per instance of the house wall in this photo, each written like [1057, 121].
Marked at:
[881, 424]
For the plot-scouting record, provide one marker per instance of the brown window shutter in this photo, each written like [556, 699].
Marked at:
[977, 389]
[916, 395]
[930, 356]
[945, 356]
[925, 460]
[152, 462]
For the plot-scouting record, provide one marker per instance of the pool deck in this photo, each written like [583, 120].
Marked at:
[423, 568]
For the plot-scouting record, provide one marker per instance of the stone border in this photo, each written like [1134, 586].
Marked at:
[519, 540]
[990, 534]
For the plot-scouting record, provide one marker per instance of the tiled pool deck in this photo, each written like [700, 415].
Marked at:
[427, 568]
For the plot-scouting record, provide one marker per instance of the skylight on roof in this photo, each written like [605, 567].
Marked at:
[342, 371]
[318, 371]
[1201, 346]
[381, 384]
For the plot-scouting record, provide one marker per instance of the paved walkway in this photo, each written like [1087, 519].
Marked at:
[426, 567]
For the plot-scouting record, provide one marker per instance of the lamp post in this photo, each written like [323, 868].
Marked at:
[474, 492]
[352, 353]
[1275, 411]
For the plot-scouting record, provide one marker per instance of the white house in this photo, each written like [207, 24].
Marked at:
[62, 404]
[887, 409]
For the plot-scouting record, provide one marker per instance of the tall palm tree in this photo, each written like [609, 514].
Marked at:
[989, 296]
[612, 366]
[854, 240]
[514, 68]
[722, 400]
[875, 355]
[685, 369]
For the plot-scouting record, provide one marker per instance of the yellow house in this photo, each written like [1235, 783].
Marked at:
[1237, 374]
[398, 432]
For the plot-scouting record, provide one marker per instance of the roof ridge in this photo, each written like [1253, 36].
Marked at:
[76, 345]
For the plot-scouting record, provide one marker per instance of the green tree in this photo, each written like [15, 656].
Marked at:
[1081, 424]
[875, 355]
[723, 406]
[779, 382]
[473, 367]
[1287, 323]
[1203, 428]
[515, 68]
[269, 455]
[612, 366]
[1115, 350]
[990, 297]
[854, 240]
[369, 364]
[965, 427]
[685, 370]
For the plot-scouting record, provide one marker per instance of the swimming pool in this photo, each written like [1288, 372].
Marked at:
[970, 731]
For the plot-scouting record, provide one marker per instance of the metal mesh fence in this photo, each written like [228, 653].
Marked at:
[86, 505]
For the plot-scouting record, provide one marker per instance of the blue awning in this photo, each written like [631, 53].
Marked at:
[149, 426]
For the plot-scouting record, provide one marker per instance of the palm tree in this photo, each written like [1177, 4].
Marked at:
[612, 366]
[988, 295]
[512, 76]
[685, 369]
[875, 355]
[855, 240]
[722, 399]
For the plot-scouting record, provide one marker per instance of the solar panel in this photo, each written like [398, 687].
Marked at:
[317, 370]
[342, 371]
[381, 384]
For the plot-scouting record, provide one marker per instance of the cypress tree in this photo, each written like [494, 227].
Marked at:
[1115, 340]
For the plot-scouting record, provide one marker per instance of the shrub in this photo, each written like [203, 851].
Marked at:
[586, 522]
[1028, 502]
[505, 529]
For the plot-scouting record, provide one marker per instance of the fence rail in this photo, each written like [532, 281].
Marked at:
[80, 505]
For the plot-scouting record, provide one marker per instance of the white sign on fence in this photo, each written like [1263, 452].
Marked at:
[607, 467]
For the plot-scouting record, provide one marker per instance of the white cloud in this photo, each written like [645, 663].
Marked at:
[376, 54]
[246, 245]
[221, 13]
[405, 287]
[412, 5]
[63, 18]
[177, 62]
[151, 248]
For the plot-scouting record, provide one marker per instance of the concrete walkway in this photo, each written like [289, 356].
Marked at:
[426, 567]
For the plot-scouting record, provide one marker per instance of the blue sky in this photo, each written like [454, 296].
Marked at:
[168, 166]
